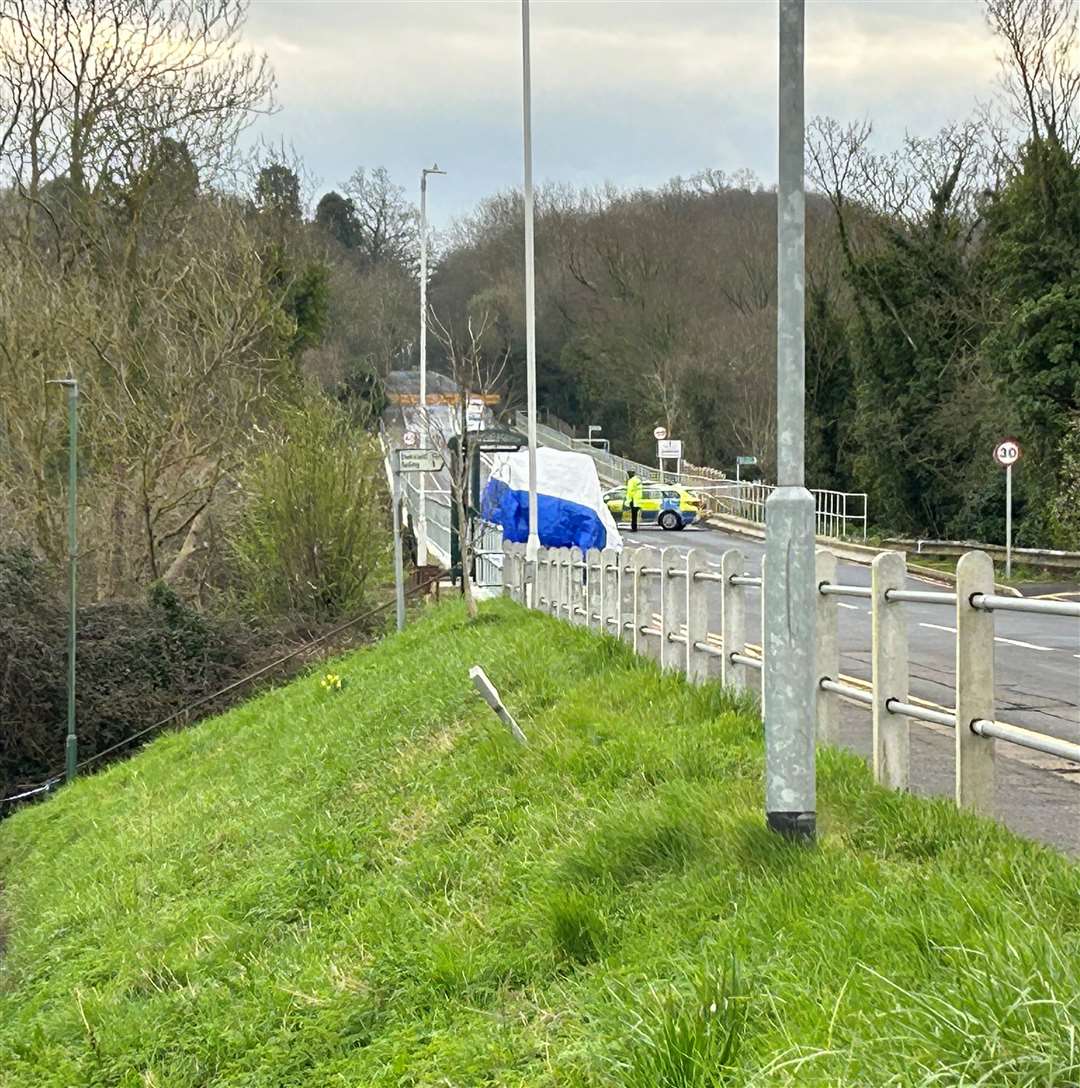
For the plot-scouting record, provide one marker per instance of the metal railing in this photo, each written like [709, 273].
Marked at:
[838, 513]
[689, 614]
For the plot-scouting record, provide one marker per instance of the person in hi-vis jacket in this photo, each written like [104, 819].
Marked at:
[633, 498]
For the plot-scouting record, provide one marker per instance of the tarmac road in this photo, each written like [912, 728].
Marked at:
[1037, 685]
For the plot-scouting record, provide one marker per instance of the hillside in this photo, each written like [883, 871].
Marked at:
[375, 886]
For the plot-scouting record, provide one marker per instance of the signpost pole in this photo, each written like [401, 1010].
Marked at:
[399, 573]
[1008, 521]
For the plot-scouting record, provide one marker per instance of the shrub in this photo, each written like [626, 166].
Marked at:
[136, 663]
[313, 526]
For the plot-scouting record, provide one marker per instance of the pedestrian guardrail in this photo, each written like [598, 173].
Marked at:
[838, 513]
[690, 615]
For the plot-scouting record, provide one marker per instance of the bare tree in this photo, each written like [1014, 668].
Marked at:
[389, 227]
[1039, 75]
[477, 370]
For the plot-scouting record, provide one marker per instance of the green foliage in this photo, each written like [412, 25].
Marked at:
[379, 887]
[690, 1043]
[137, 662]
[312, 530]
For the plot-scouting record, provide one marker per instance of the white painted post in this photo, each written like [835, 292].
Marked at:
[828, 650]
[562, 583]
[975, 771]
[672, 608]
[764, 639]
[732, 619]
[699, 594]
[889, 669]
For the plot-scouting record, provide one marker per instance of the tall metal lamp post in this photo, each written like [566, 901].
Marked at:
[71, 755]
[421, 514]
[532, 546]
[790, 682]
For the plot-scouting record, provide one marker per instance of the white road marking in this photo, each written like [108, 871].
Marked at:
[1025, 645]
[938, 627]
[853, 607]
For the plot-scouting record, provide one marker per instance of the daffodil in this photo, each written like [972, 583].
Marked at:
[331, 682]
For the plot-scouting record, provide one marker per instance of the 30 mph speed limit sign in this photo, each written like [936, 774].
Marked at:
[1007, 452]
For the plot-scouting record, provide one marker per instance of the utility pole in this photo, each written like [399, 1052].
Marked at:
[72, 748]
[421, 514]
[532, 546]
[790, 685]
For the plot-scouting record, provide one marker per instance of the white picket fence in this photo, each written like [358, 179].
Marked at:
[690, 615]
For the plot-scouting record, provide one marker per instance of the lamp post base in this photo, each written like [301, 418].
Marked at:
[790, 682]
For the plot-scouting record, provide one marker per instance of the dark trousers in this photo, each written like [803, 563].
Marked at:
[633, 518]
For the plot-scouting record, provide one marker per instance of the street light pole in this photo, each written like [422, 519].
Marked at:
[421, 514]
[532, 546]
[790, 683]
[72, 747]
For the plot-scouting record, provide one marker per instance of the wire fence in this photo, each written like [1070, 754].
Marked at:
[56, 778]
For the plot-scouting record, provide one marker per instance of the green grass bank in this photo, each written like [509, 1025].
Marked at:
[375, 886]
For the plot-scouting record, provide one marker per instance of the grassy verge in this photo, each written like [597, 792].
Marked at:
[377, 887]
[1021, 574]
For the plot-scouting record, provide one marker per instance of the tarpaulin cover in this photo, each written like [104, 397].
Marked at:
[570, 506]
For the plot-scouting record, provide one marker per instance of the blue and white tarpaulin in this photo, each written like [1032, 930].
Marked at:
[570, 504]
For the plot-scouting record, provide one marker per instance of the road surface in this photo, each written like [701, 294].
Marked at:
[1037, 685]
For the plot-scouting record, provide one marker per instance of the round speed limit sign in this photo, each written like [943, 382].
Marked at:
[1007, 452]
[659, 433]
[410, 440]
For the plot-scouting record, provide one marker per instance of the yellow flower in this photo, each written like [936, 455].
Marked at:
[331, 682]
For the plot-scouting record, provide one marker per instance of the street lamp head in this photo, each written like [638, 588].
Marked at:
[432, 169]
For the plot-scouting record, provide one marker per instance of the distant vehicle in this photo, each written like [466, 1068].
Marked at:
[670, 506]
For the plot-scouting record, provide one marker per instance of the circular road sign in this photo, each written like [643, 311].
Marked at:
[659, 433]
[1007, 452]
[410, 440]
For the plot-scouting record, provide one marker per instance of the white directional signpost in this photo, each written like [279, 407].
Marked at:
[1007, 452]
[659, 433]
[407, 460]
[669, 449]
[745, 459]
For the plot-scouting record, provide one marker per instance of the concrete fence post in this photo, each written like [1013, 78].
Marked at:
[732, 619]
[975, 755]
[638, 584]
[628, 578]
[596, 572]
[561, 583]
[672, 608]
[609, 590]
[828, 649]
[700, 666]
[579, 600]
[762, 636]
[889, 670]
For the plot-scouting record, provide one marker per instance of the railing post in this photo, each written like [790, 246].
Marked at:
[699, 666]
[594, 606]
[652, 594]
[638, 599]
[732, 619]
[828, 648]
[672, 608]
[975, 772]
[579, 598]
[889, 669]
[609, 590]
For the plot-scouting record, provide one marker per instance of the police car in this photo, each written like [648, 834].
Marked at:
[670, 506]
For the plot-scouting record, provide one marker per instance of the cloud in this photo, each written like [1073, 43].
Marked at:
[633, 92]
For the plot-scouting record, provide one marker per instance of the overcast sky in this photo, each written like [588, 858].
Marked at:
[628, 92]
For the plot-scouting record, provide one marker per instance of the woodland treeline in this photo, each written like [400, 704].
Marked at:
[943, 304]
